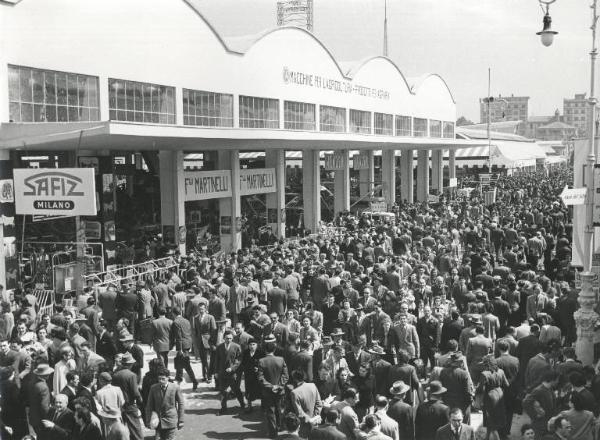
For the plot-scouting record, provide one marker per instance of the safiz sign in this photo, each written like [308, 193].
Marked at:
[55, 191]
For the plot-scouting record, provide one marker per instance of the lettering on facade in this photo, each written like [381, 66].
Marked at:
[207, 185]
[334, 162]
[257, 181]
[360, 162]
[321, 82]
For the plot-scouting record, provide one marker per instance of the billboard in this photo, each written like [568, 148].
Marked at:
[55, 191]
[203, 185]
[257, 181]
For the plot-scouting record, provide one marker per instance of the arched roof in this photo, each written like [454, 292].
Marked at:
[242, 44]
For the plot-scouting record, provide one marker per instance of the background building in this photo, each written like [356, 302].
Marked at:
[576, 113]
[295, 13]
[511, 108]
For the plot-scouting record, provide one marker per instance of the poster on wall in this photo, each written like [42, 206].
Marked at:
[55, 191]
[6, 191]
[110, 233]
[182, 234]
[225, 224]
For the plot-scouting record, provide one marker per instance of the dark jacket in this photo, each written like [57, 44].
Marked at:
[64, 424]
[430, 417]
[168, 405]
[182, 333]
[445, 433]
[402, 413]
[303, 361]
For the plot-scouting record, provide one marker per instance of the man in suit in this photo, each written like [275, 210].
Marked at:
[237, 300]
[277, 299]
[329, 430]
[389, 426]
[357, 356]
[181, 330]
[477, 348]
[405, 337]
[105, 343]
[459, 386]
[348, 419]
[540, 404]
[319, 288]
[37, 397]
[137, 352]
[70, 389]
[205, 333]
[92, 316]
[303, 361]
[228, 357]
[106, 301]
[161, 335]
[510, 365]
[60, 422]
[432, 414]
[381, 369]
[562, 429]
[456, 429]
[127, 380]
[306, 403]
[399, 411]
[166, 400]
[451, 329]
[272, 375]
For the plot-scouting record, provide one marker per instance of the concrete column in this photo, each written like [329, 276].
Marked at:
[172, 197]
[276, 201]
[452, 164]
[388, 176]
[230, 209]
[407, 176]
[311, 189]
[367, 176]
[341, 184]
[437, 170]
[422, 175]
[586, 320]
[103, 95]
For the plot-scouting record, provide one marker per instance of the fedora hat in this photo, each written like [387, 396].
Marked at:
[476, 320]
[43, 370]
[435, 387]
[337, 332]
[270, 338]
[127, 359]
[398, 388]
[376, 349]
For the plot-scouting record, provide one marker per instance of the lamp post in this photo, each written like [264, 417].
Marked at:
[586, 319]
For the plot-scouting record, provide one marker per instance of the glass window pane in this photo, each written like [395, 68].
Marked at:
[61, 88]
[13, 84]
[50, 113]
[38, 86]
[50, 86]
[25, 81]
[39, 113]
[129, 100]
[73, 114]
[15, 112]
[72, 85]
[26, 113]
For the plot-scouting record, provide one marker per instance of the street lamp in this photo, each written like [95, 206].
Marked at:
[546, 34]
[586, 319]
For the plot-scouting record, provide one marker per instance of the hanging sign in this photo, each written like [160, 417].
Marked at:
[55, 191]
[203, 185]
[334, 162]
[257, 181]
[361, 162]
[6, 191]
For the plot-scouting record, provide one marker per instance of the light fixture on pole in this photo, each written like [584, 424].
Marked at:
[546, 34]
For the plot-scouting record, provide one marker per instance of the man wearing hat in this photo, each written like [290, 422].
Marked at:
[37, 397]
[129, 346]
[126, 305]
[380, 367]
[125, 379]
[458, 383]
[432, 414]
[400, 411]
[272, 375]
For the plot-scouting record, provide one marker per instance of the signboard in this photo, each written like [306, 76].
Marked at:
[361, 162]
[596, 211]
[431, 198]
[203, 185]
[55, 191]
[257, 181]
[380, 206]
[334, 162]
[485, 178]
[573, 196]
[6, 191]
[225, 224]
[453, 182]
[93, 230]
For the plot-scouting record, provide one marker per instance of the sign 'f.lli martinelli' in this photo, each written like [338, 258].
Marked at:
[55, 191]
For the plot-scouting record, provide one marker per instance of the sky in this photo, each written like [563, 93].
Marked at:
[457, 39]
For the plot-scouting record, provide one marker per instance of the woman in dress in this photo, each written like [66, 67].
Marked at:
[492, 386]
[249, 366]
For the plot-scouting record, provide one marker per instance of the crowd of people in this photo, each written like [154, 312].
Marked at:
[396, 329]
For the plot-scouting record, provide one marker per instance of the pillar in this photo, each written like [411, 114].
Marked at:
[311, 189]
[388, 176]
[367, 176]
[437, 170]
[586, 320]
[407, 176]
[172, 198]
[341, 184]
[230, 208]
[276, 200]
[452, 164]
[9, 264]
[422, 175]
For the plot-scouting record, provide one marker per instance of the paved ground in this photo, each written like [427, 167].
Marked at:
[202, 421]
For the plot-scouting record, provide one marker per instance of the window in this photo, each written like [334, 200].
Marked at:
[259, 112]
[360, 121]
[384, 124]
[207, 109]
[403, 126]
[48, 96]
[299, 116]
[332, 118]
[140, 102]
[435, 128]
[420, 127]
[448, 131]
